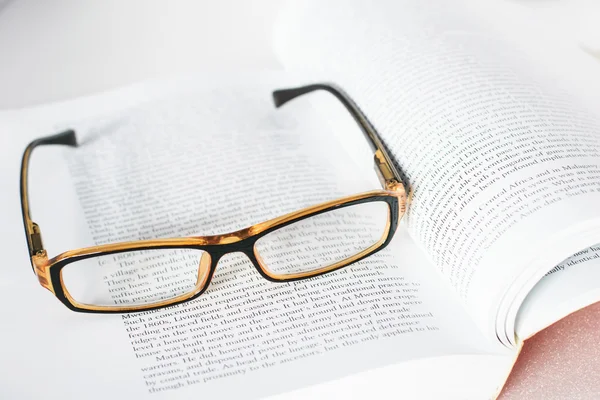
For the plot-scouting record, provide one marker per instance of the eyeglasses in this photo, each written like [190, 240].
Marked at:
[150, 274]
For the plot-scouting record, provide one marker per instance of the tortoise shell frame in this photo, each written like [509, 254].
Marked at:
[394, 194]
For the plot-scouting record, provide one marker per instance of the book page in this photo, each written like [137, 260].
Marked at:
[206, 163]
[504, 161]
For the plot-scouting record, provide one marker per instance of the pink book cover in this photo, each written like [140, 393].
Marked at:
[560, 362]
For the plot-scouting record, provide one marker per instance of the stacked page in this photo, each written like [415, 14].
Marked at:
[212, 160]
[503, 159]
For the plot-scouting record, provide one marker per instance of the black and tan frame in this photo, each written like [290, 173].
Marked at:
[394, 195]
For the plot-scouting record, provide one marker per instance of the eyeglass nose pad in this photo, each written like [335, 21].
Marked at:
[203, 269]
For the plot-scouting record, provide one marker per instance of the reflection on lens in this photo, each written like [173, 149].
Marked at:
[320, 241]
[141, 277]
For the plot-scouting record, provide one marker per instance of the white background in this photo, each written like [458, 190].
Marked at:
[57, 49]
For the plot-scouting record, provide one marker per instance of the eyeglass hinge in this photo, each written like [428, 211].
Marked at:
[37, 245]
[384, 172]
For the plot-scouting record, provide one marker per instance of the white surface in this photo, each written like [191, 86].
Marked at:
[58, 49]
[576, 19]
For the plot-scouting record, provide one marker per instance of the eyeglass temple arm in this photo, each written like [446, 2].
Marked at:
[32, 230]
[388, 174]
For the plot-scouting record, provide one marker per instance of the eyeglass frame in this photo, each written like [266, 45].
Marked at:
[395, 194]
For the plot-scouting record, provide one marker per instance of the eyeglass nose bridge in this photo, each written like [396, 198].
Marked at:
[248, 249]
[245, 247]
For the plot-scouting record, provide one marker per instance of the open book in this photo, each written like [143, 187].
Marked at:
[500, 239]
